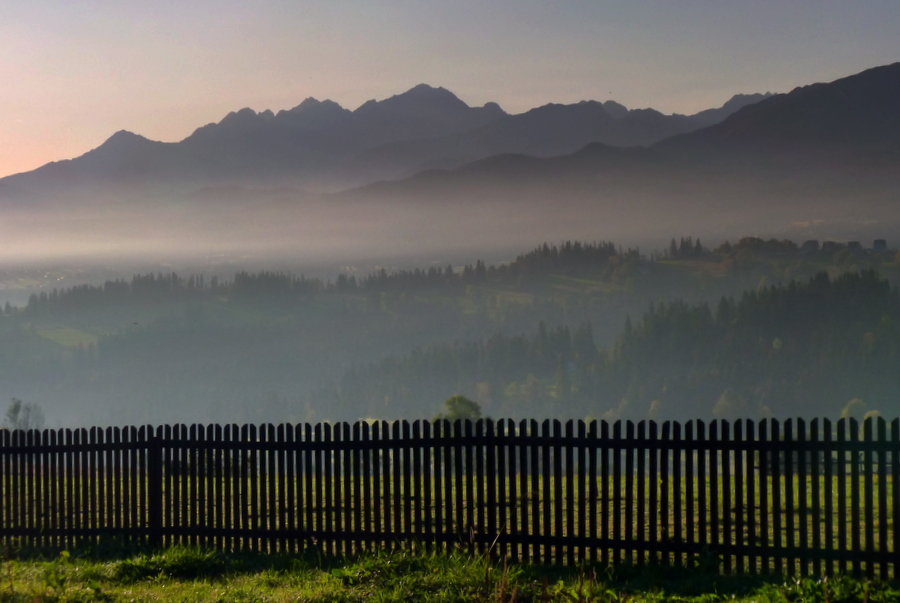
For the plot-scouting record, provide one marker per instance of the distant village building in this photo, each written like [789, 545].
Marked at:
[832, 246]
[854, 245]
[880, 245]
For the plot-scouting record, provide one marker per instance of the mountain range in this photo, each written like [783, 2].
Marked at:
[422, 169]
[821, 161]
[321, 145]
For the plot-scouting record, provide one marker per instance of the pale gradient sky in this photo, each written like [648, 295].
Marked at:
[72, 73]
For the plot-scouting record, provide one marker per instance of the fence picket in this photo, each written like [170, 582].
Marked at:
[701, 485]
[617, 483]
[525, 490]
[895, 496]
[828, 494]
[787, 457]
[592, 477]
[678, 490]
[368, 460]
[816, 500]
[416, 493]
[557, 501]
[715, 511]
[405, 468]
[52, 509]
[497, 495]
[323, 471]
[841, 469]
[868, 492]
[641, 453]
[883, 549]
[582, 473]
[775, 455]
[727, 537]
[513, 529]
[546, 490]
[605, 496]
[742, 506]
[856, 535]
[654, 522]
[16, 483]
[804, 452]
[478, 499]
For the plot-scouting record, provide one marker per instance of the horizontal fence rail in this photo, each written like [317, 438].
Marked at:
[790, 497]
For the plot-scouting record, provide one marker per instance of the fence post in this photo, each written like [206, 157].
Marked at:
[155, 488]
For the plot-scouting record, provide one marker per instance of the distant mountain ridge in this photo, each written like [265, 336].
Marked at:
[851, 118]
[319, 144]
[861, 111]
[822, 160]
[553, 129]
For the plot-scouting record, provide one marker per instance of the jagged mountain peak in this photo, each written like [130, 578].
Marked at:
[313, 104]
[313, 114]
[418, 98]
[307, 103]
[427, 92]
[615, 110]
[242, 116]
[493, 107]
[125, 137]
[123, 143]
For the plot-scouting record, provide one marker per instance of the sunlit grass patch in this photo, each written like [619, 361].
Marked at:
[196, 575]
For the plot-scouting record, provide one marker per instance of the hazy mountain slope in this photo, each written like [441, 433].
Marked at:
[124, 155]
[822, 155]
[855, 113]
[735, 103]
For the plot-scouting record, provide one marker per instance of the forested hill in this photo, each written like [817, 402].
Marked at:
[805, 349]
[273, 346]
[568, 257]
[552, 373]
[800, 349]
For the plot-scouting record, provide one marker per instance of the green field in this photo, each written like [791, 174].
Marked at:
[112, 573]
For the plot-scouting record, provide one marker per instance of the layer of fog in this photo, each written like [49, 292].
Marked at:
[379, 227]
[361, 232]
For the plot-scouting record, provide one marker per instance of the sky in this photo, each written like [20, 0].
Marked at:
[73, 73]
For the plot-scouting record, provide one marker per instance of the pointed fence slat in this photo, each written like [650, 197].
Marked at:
[868, 495]
[816, 502]
[894, 561]
[794, 498]
[524, 494]
[855, 504]
[883, 550]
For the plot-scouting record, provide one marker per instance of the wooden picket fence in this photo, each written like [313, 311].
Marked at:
[791, 497]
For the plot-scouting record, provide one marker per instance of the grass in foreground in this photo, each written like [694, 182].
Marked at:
[191, 575]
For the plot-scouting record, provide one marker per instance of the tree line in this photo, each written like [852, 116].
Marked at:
[806, 348]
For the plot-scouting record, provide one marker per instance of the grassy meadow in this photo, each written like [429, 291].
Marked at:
[113, 574]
